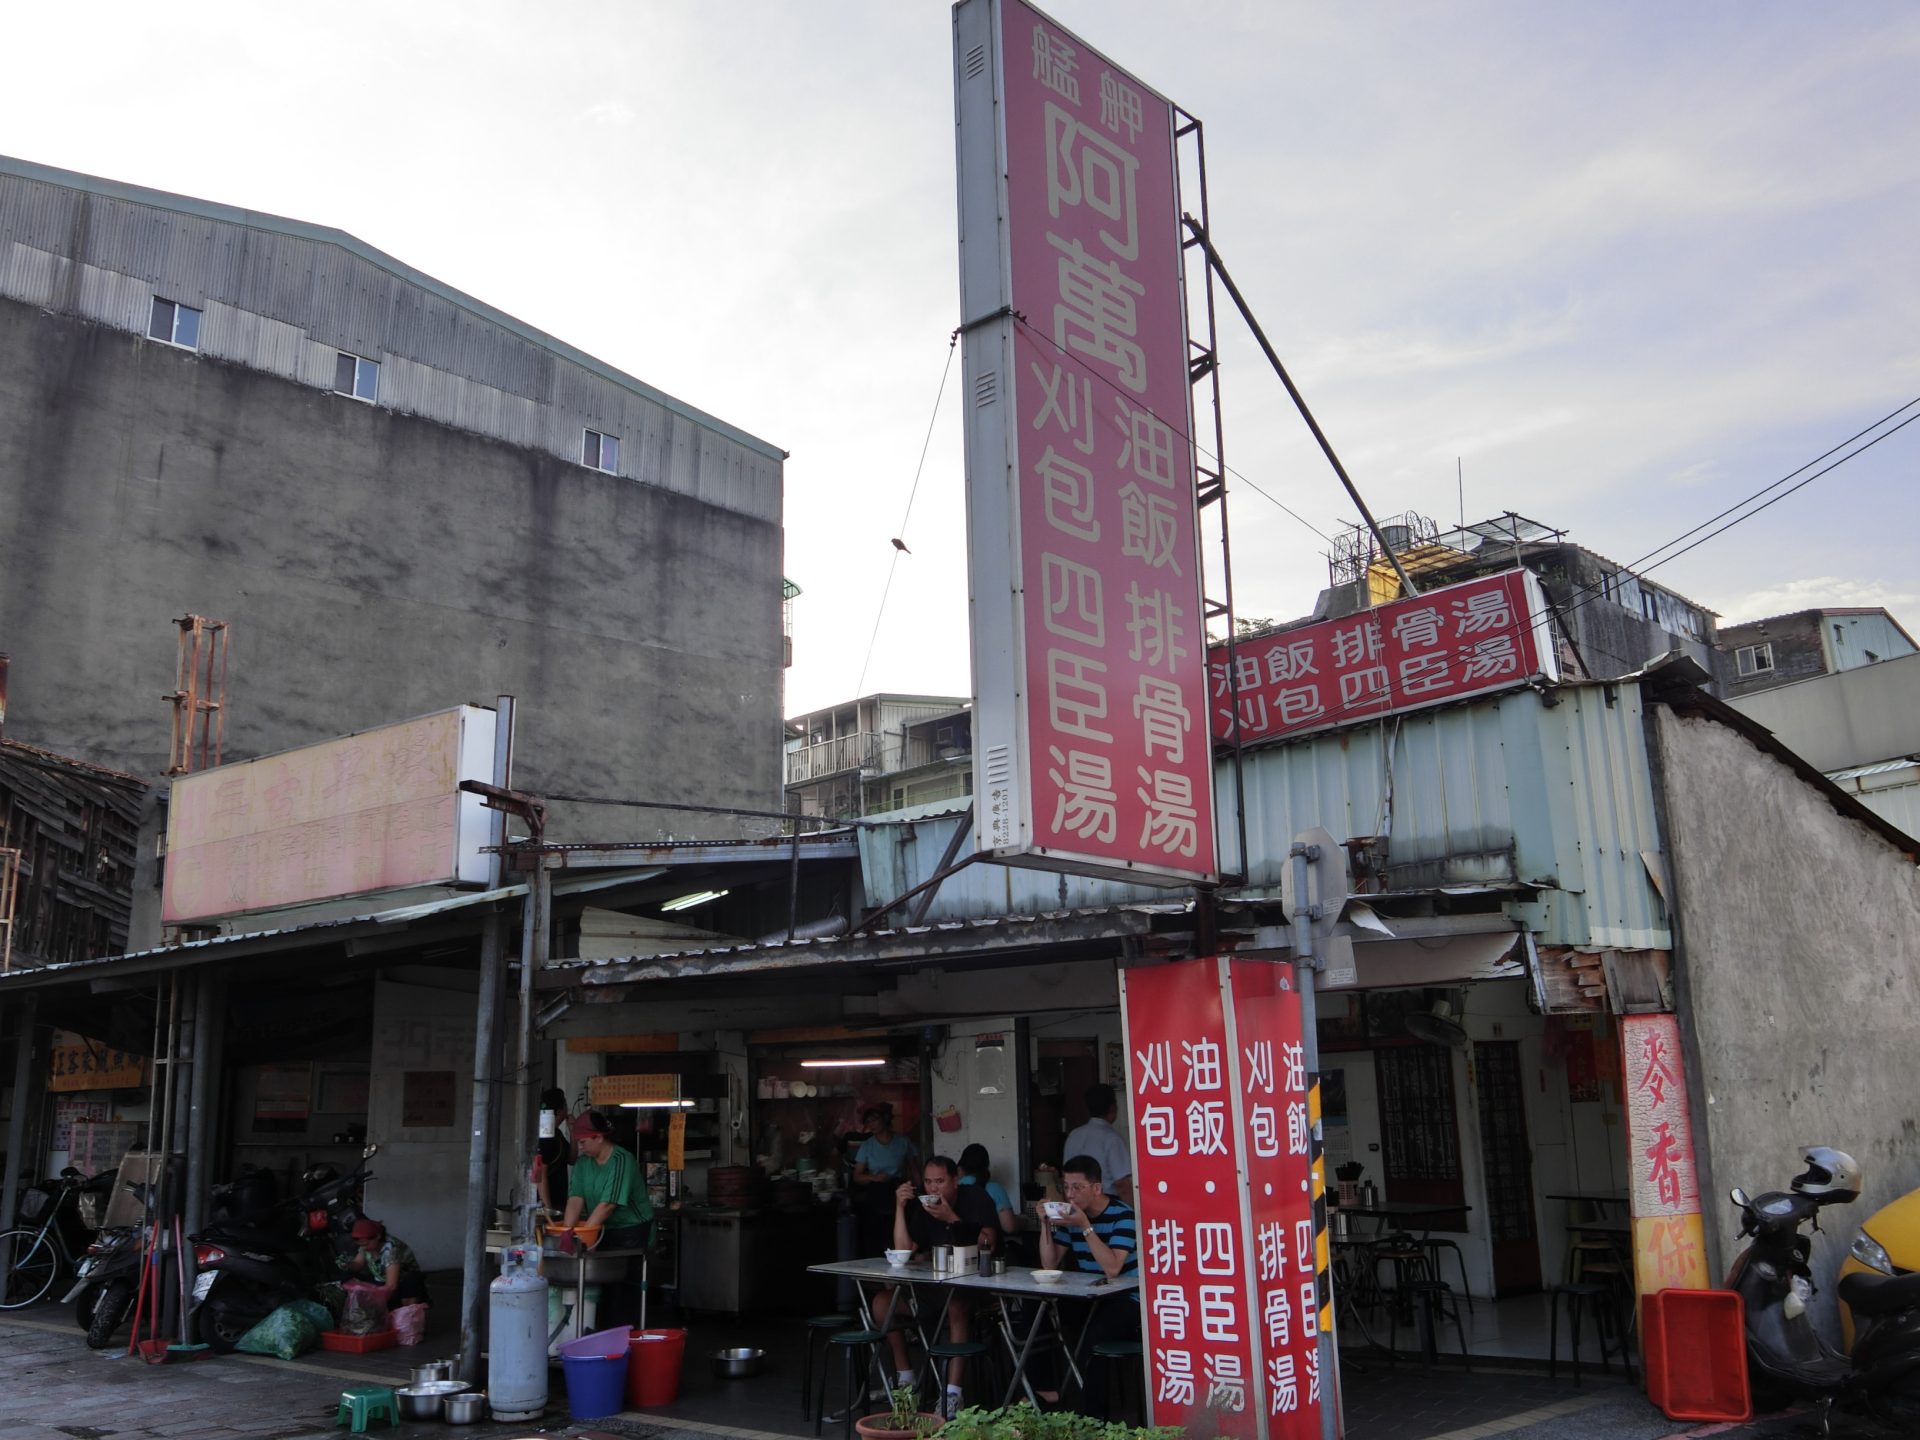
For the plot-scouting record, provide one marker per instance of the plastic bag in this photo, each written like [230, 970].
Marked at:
[365, 1310]
[410, 1322]
[333, 1295]
[319, 1314]
[286, 1334]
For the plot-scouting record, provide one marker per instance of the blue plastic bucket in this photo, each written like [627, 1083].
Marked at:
[596, 1384]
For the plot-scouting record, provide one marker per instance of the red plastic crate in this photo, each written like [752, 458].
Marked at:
[359, 1344]
[1693, 1347]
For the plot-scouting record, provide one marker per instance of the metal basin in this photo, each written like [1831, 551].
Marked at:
[738, 1363]
[426, 1402]
[565, 1269]
[467, 1408]
[431, 1371]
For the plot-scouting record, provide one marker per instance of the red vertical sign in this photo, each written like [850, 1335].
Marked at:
[1219, 1196]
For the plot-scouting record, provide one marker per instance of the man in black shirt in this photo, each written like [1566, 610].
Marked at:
[955, 1214]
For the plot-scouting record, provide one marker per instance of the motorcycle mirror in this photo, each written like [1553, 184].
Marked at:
[369, 1152]
[1739, 1197]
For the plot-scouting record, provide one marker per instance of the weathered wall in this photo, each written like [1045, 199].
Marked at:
[1855, 717]
[1797, 652]
[374, 566]
[1798, 967]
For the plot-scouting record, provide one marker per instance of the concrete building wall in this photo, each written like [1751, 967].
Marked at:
[1798, 653]
[1798, 977]
[1856, 717]
[374, 566]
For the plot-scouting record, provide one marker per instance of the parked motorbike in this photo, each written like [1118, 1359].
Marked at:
[1786, 1357]
[244, 1272]
[1887, 1243]
[108, 1276]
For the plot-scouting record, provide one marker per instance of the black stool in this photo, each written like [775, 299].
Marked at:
[1434, 1249]
[852, 1341]
[975, 1350]
[1126, 1350]
[818, 1328]
[1600, 1300]
[1436, 1301]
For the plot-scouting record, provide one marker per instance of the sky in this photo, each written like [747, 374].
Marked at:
[1621, 265]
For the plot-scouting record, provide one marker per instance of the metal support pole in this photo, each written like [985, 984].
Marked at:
[1299, 401]
[534, 940]
[26, 1015]
[186, 1053]
[486, 1074]
[1305, 967]
[199, 1111]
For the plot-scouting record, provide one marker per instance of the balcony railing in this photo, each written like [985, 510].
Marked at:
[831, 757]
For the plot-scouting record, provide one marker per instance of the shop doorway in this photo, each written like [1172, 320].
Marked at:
[1419, 1131]
[1065, 1068]
[1508, 1162]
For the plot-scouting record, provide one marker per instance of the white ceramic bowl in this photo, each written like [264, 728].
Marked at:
[1048, 1277]
[899, 1257]
[929, 1200]
[1058, 1209]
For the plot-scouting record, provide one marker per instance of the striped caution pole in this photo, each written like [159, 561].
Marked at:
[1322, 1241]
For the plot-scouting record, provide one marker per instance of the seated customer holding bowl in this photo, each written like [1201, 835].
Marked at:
[947, 1214]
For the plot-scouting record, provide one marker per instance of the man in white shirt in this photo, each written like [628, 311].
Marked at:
[1099, 1139]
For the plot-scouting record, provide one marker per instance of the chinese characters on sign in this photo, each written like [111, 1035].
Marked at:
[1668, 1240]
[368, 812]
[84, 1064]
[1091, 682]
[1467, 639]
[1218, 1096]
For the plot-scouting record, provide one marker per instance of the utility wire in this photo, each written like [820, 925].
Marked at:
[881, 613]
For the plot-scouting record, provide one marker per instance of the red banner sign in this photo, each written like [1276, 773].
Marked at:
[1089, 641]
[1222, 1189]
[1468, 639]
[1669, 1241]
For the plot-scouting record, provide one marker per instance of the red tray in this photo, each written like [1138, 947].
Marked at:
[1694, 1346]
[359, 1344]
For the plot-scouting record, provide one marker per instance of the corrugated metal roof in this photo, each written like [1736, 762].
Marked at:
[1885, 767]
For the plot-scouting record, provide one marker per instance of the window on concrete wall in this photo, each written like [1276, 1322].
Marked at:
[174, 324]
[355, 376]
[1754, 659]
[601, 452]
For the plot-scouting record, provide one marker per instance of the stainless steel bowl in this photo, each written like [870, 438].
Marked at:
[431, 1371]
[467, 1408]
[738, 1363]
[426, 1401]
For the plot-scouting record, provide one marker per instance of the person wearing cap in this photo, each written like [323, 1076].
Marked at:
[605, 1186]
[553, 1155]
[380, 1259]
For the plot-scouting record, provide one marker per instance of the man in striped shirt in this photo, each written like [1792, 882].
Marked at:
[1099, 1237]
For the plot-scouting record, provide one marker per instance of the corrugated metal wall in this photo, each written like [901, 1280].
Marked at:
[1499, 790]
[286, 298]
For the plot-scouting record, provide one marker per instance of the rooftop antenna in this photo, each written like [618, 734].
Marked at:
[1460, 484]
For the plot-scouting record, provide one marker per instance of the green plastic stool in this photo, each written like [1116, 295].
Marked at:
[365, 1403]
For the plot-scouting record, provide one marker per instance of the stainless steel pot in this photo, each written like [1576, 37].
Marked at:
[426, 1401]
[738, 1363]
[467, 1408]
[431, 1371]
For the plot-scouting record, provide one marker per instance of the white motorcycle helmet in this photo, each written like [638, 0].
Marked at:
[1831, 1174]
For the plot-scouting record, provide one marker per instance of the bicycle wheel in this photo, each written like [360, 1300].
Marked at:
[31, 1268]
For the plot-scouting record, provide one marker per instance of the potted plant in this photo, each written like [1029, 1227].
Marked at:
[1023, 1422]
[906, 1421]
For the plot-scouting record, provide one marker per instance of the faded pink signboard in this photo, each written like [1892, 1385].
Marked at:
[1089, 638]
[376, 811]
[1668, 1238]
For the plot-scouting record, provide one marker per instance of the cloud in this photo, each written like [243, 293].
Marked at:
[1815, 592]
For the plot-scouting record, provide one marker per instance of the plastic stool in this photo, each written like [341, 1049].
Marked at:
[851, 1341]
[818, 1327]
[1437, 1302]
[1599, 1298]
[366, 1403]
[1124, 1350]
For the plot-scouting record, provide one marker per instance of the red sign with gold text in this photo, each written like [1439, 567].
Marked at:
[1219, 1157]
[1468, 639]
[1669, 1239]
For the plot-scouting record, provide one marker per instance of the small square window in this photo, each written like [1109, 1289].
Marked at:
[356, 377]
[1754, 659]
[601, 452]
[174, 324]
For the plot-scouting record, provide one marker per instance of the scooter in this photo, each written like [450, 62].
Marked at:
[244, 1273]
[1887, 1243]
[1786, 1357]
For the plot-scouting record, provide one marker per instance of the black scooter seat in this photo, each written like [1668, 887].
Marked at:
[246, 1237]
[1880, 1294]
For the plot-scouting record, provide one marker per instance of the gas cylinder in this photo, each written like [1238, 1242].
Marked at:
[517, 1336]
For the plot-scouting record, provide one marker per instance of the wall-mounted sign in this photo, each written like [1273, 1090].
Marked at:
[1482, 635]
[82, 1064]
[1231, 1259]
[1089, 675]
[380, 810]
[1669, 1239]
[426, 1099]
[618, 1089]
[283, 1093]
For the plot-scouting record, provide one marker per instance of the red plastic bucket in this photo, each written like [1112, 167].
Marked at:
[653, 1367]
